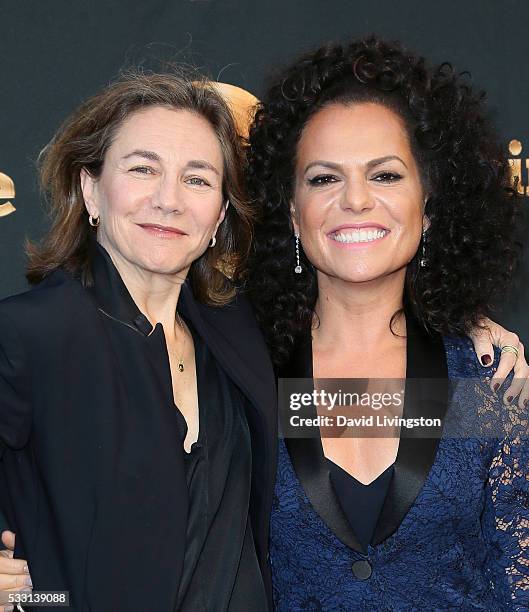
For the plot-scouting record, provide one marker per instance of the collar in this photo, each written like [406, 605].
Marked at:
[425, 361]
[110, 293]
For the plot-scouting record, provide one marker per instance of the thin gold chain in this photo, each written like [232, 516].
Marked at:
[181, 360]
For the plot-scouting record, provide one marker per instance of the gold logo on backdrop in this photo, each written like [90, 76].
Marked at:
[242, 104]
[519, 168]
[7, 192]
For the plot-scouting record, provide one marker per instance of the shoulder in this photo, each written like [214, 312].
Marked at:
[238, 312]
[54, 301]
[233, 327]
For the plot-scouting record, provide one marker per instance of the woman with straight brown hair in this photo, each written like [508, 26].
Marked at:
[137, 431]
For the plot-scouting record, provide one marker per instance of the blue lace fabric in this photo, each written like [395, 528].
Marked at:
[463, 545]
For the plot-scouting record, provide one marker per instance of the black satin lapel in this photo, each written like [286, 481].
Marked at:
[425, 360]
[307, 458]
[309, 463]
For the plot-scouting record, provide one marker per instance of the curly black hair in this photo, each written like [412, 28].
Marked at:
[470, 247]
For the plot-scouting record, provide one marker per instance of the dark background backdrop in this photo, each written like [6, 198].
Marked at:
[56, 53]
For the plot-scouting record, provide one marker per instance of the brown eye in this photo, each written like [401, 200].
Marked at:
[322, 179]
[387, 177]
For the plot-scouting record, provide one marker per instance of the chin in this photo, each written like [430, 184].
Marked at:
[157, 263]
[357, 276]
[163, 267]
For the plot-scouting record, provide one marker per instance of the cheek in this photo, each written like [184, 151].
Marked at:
[311, 214]
[122, 197]
[406, 210]
[205, 214]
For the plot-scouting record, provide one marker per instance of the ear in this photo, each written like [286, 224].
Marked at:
[294, 216]
[88, 189]
[222, 215]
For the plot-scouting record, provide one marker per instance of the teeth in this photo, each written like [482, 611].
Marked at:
[359, 236]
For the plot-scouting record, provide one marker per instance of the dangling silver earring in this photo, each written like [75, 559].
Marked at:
[422, 261]
[213, 242]
[298, 268]
[94, 221]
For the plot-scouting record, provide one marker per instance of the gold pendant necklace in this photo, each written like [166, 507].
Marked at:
[181, 361]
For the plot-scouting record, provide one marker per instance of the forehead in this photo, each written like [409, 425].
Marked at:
[364, 131]
[170, 133]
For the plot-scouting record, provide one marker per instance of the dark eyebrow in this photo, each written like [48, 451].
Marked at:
[325, 164]
[380, 160]
[370, 164]
[142, 153]
[202, 164]
[198, 164]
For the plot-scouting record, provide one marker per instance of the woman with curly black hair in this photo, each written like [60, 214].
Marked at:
[386, 231]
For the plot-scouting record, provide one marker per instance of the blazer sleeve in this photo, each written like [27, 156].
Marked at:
[505, 521]
[15, 407]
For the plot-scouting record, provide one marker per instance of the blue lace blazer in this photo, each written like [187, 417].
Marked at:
[453, 533]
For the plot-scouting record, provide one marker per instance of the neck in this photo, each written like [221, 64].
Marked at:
[156, 295]
[353, 314]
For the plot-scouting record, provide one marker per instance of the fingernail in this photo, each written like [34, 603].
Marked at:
[27, 580]
[509, 399]
[486, 359]
[496, 386]
[26, 569]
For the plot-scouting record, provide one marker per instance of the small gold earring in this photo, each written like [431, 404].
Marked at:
[94, 221]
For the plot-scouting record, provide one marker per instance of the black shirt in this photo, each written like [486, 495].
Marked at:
[361, 503]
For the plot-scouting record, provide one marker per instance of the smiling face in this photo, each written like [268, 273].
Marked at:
[159, 195]
[358, 199]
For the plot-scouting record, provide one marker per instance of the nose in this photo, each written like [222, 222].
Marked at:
[168, 197]
[357, 196]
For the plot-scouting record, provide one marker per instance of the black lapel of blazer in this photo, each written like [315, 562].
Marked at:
[425, 359]
[233, 336]
[309, 463]
[426, 395]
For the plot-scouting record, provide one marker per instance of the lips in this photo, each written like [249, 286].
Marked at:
[162, 230]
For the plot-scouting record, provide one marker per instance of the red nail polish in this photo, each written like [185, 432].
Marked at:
[496, 387]
[509, 399]
[486, 359]
[525, 402]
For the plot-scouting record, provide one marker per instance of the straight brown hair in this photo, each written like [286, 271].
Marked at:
[82, 142]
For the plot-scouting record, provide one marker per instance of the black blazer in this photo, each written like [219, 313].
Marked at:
[92, 477]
